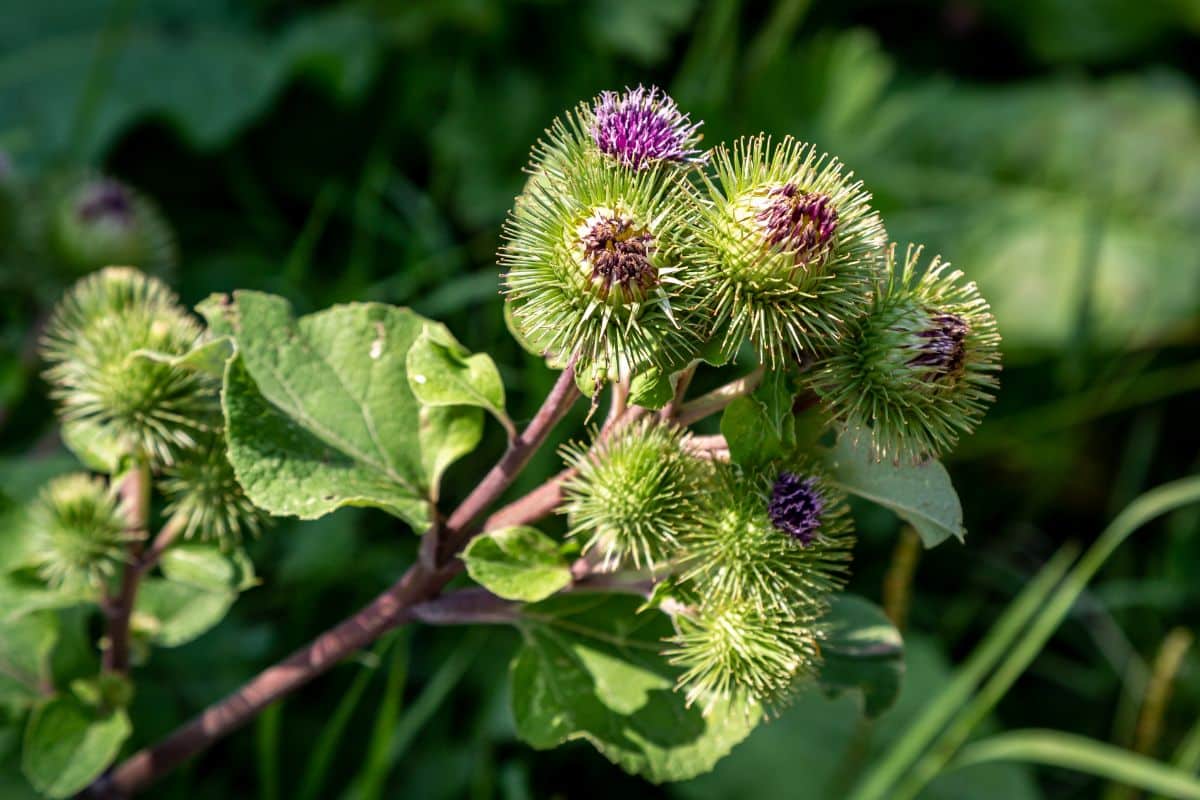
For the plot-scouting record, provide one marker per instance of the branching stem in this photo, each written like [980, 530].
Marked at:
[420, 583]
[716, 400]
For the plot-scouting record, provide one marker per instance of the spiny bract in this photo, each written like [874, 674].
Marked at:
[633, 494]
[918, 368]
[108, 346]
[784, 249]
[592, 258]
[79, 531]
[777, 540]
[201, 490]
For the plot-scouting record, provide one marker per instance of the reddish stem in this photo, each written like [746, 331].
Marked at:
[418, 584]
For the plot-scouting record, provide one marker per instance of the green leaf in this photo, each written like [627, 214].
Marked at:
[441, 372]
[208, 358]
[319, 411]
[96, 446]
[67, 744]
[750, 433]
[207, 566]
[862, 652]
[651, 388]
[25, 647]
[591, 668]
[171, 613]
[920, 494]
[517, 563]
[776, 394]
[23, 592]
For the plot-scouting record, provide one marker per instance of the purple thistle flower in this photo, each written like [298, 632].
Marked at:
[796, 506]
[799, 222]
[104, 199]
[619, 255]
[643, 126]
[944, 349]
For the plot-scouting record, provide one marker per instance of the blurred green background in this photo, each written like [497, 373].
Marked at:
[346, 151]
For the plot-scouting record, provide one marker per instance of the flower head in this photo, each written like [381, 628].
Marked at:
[633, 494]
[784, 249]
[918, 368]
[108, 346]
[80, 531]
[641, 127]
[776, 541]
[727, 648]
[96, 221]
[593, 266]
[202, 490]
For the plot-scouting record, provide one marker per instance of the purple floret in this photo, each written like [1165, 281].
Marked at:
[643, 126]
[944, 349]
[796, 506]
[799, 222]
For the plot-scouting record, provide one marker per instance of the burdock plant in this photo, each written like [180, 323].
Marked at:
[698, 579]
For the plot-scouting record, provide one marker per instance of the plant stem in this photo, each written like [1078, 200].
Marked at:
[391, 608]
[716, 400]
[681, 386]
[135, 498]
[162, 541]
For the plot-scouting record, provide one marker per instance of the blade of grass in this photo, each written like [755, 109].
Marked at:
[999, 639]
[1069, 751]
[1152, 504]
[313, 784]
[393, 734]
[266, 741]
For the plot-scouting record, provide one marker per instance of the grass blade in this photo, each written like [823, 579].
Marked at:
[313, 784]
[1152, 504]
[1056, 749]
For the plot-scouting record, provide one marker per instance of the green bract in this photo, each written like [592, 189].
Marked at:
[105, 345]
[633, 494]
[733, 552]
[784, 248]
[593, 258]
[80, 531]
[727, 650]
[202, 490]
[918, 368]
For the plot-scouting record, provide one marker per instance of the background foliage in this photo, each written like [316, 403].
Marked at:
[369, 150]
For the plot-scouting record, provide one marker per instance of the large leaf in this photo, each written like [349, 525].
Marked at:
[25, 646]
[590, 668]
[920, 494]
[67, 744]
[862, 652]
[197, 66]
[319, 411]
[517, 563]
